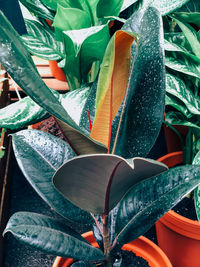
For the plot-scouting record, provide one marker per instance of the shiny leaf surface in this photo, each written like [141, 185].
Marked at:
[51, 236]
[96, 191]
[168, 6]
[40, 41]
[108, 8]
[139, 119]
[138, 211]
[15, 59]
[34, 148]
[196, 160]
[192, 17]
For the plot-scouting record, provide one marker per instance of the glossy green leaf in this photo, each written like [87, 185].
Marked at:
[191, 6]
[170, 46]
[138, 211]
[51, 236]
[172, 101]
[38, 9]
[196, 160]
[177, 38]
[184, 65]
[16, 62]
[52, 4]
[139, 119]
[190, 17]
[34, 148]
[177, 88]
[168, 6]
[177, 118]
[40, 41]
[127, 3]
[189, 33]
[21, 114]
[84, 47]
[109, 8]
[99, 192]
[70, 19]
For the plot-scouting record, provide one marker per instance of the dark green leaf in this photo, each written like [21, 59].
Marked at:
[196, 160]
[67, 19]
[177, 118]
[34, 148]
[97, 192]
[16, 62]
[177, 88]
[38, 9]
[170, 100]
[138, 211]
[40, 41]
[190, 17]
[139, 119]
[51, 236]
[190, 6]
[108, 8]
[127, 3]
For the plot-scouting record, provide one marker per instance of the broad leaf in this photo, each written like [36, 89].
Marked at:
[40, 41]
[70, 19]
[108, 8]
[177, 88]
[190, 17]
[177, 118]
[191, 6]
[51, 236]
[38, 9]
[168, 6]
[96, 191]
[146, 202]
[189, 33]
[34, 148]
[127, 3]
[139, 119]
[83, 47]
[18, 65]
[112, 83]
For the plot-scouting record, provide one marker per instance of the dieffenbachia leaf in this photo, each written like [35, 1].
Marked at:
[138, 122]
[177, 118]
[168, 6]
[83, 47]
[112, 83]
[51, 236]
[146, 202]
[96, 191]
[40, 41]
[21, 69]
[67, 19]
[196, 160]
[127, 3]
[183, 64]
[189, 33]
[172, 101]
[176, 87]
[38, 9]
[170, 46]
[108, 8]
[188, 17]
[35, 148]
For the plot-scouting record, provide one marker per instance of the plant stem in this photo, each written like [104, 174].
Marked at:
[106, 240]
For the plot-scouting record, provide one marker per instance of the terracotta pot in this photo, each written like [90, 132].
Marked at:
[56, 71]
[178, 236]
[142, 247]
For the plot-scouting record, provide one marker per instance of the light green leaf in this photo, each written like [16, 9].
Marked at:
[40, 41]
[127, 3]
[168, 6]
[196, 160]
[51, 236]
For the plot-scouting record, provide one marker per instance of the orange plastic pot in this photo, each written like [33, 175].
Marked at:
[56, 71]
[178, 237]
[142, 247]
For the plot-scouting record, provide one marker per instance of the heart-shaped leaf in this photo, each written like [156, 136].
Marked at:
[146, 202]
[51, 236]
[139, 119]
[40, 41]
[112, 83]
[97, 191]
[15, 59]
[39, 155]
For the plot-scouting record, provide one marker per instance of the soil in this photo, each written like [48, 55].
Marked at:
[186, 208]
[125, 259]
